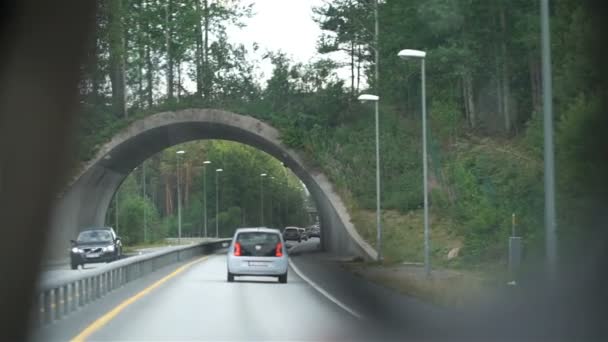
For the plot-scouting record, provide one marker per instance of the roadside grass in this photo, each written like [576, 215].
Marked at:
[445, 287]
[403, 235]
[453, 283]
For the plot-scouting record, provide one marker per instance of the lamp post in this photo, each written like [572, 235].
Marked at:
[179, 199]
[205, 163]
[217, 202]
[116, 210]
[262, 175]
[549, 163]
[376, 99]
[271, 207]
[286, 194]
[406, 54]
[143, 182]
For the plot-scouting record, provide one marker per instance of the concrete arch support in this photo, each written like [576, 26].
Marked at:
[86, 200]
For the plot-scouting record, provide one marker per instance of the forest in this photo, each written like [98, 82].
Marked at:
[483, 80]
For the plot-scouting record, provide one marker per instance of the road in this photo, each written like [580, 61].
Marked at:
[199, 304]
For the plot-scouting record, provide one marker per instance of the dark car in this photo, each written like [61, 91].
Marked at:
[314, 231]
[95, 245]
[292, 233]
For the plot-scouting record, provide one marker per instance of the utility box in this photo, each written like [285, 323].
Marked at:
[515, 253]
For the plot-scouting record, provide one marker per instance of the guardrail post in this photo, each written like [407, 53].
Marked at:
[47, 306]
[97, 287]
[66, 300]
[89, 290]
[81, 292]
[57, 303]
[73, 297]
[102, 285]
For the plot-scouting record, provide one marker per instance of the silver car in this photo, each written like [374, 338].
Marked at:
[257, 252]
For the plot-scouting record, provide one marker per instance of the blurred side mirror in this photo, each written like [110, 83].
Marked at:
[73, 242]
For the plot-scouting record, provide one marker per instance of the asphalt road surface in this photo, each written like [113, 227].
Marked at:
[199, 304]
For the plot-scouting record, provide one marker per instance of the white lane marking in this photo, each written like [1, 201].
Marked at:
[323, 292]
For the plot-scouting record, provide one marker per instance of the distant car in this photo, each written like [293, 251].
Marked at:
[314, 231]
[303, 234]
[257, 252]
[292, 234]
[95, 245]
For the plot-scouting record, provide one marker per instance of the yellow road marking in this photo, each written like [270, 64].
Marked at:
[103, 320]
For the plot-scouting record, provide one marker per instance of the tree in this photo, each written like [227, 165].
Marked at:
[117, 56]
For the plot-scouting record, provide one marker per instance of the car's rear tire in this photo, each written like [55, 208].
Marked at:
[230, 277]
[283, 278]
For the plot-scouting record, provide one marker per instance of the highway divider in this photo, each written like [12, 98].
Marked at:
[58, 298]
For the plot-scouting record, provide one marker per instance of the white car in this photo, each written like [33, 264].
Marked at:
[257, 252]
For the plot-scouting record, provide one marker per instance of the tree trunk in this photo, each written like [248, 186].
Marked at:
[117, 52]
[469, 100]
[498, 82]
[94, 72]
[358, 67]
[198, 32]
[141, 57]
[187, 185]
[206, 79]
[169, 52]
[179, 79]
[168, 197]
[535, 87]
[352, 68]
[149, 77]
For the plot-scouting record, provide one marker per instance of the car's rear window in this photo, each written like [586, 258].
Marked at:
[291, 230]
[258, 238]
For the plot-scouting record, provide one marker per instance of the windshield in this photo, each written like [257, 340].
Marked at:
[95, 236]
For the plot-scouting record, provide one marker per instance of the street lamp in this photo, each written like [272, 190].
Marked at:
[549, 154]
[262, 198]
[143, 182]
[271, 207]
[406, 54]
[179, 200]
[205, 163]
[217, 202]
[376, 99]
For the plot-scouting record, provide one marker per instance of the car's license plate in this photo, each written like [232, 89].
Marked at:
[93, 255]
[258, 264]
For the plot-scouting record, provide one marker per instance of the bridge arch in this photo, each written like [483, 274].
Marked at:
[86, 200]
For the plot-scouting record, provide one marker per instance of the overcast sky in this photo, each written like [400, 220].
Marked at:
[279, 25]
[285, 25]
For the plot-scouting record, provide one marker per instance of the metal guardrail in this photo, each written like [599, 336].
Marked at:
[58, 298]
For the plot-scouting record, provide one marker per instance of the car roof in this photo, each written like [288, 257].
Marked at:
[96, 228]
[257, 229]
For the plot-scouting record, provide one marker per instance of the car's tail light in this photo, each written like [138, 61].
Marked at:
[237, 249]
[279, 250]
